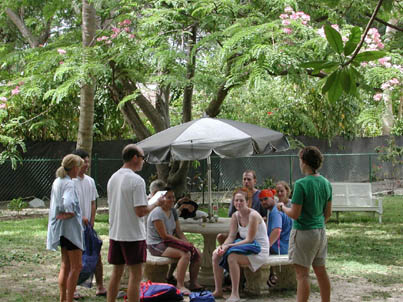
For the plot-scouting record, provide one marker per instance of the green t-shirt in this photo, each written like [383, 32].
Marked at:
[313, 193]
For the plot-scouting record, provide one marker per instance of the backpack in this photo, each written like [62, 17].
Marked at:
[158, 292]
[204, 296]
[90, 256]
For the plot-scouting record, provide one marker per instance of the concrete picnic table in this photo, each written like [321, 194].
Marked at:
[209, 231]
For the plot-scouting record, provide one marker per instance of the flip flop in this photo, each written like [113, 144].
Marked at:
[185, 292]
[101, 294]
[77, 296]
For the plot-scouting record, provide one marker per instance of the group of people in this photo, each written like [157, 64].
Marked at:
[262, 223]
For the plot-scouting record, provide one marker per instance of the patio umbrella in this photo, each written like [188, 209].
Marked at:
[198, 139]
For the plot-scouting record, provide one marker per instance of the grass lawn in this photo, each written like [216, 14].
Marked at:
[359, 248]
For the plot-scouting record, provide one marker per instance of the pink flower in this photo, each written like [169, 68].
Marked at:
[286, 22]
[394, 81]
[116, 30]
[3, 99]
[61, 62]
[40, 45]
[335, 26]
[127, 22]
[288, 9]
[287, 30]
[294, 17]
[61, 51]
[283, 16]
[363, 64]
[380, 45]
[16, 90]
[383, 60]
[108, 42]
[306, 17]
[378, 97]
[126, 29]
[113, 36]
[131, 36]
[321, 32]
[2, 105]
[385, 86]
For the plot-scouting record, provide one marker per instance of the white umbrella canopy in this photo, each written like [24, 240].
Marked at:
[197, 139]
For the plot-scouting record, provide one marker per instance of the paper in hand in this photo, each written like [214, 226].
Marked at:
[156, 197]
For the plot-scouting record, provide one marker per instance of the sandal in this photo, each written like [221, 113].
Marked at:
[77, 296]
[185, 292]
[101, 294]
[272, 281]
[171, 280]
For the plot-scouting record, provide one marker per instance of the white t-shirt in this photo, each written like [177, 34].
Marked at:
[126, 190]
[87, 192]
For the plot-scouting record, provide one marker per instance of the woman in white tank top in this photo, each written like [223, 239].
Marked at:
[251, 227]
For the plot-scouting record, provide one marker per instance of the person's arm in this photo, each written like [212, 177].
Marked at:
[145, 210]
[274, 235]
[93, 212]
[253, 225]
[178, 231]
[161, 230]
[294, 212]
[328, 210]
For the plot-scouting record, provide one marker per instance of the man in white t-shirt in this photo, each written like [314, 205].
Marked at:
[128, 205]
[87, 195]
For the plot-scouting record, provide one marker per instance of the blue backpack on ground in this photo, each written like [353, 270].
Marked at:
[203, 296]
[159, 292]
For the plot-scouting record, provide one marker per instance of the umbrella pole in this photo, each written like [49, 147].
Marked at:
[210, 209]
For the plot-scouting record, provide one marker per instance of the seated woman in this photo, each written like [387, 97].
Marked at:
[283, 193]
[250, 227]
[165, 238]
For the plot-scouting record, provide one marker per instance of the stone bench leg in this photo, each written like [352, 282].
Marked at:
[286, 277]
[155, 273]
[256, 281]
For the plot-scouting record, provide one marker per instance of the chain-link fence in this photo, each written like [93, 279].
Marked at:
[34, 177]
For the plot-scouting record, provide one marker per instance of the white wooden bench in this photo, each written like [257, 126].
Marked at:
[256, 282]
[355, 197]
[156, 268]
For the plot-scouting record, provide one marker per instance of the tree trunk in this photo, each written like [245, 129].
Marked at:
[190, 72]
[87, 91]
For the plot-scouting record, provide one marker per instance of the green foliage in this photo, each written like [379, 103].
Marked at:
[17, 204]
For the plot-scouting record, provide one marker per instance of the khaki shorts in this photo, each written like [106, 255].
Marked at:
[308, 247]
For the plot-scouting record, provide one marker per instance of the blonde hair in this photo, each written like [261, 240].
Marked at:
[69, 161]
[285, 185]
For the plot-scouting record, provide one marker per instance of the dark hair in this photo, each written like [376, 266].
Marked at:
[311, 156]
[129, 151]
[251, 172]
[80, 152]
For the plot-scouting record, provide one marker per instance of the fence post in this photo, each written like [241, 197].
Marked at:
[370, 167]
[94, 172]
[290, 160]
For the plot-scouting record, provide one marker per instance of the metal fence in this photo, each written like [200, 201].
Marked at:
[34, 177]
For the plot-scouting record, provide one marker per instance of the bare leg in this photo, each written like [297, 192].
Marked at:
[323, 281]
[218, 275]
[303, 287]
[135, 274]
[194, 272]
[99, 273]
[75, 269]
[234, 262]
[171, 271]
[184, 259]
[63, 274]
[114, 282]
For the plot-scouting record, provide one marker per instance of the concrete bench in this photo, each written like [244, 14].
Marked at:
[156, 268]
[256, 282]
[355, 197]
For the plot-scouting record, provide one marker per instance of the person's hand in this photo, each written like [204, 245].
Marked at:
[63, 216]
[85, 220]
[160, 201]
[280, 206]
[183, 199]
[222, 249]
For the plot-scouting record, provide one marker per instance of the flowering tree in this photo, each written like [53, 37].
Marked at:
[159, 63]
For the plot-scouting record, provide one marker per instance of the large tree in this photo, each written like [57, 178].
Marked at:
[165, 62]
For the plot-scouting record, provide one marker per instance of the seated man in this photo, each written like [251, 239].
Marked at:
[279, 226]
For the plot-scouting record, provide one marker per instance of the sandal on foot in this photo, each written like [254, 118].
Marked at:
[233, 300]
[101, 294]
[77, 296]
[185, 292]
[272, 281]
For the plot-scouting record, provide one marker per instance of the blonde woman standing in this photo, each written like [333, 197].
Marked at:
[65, 225]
